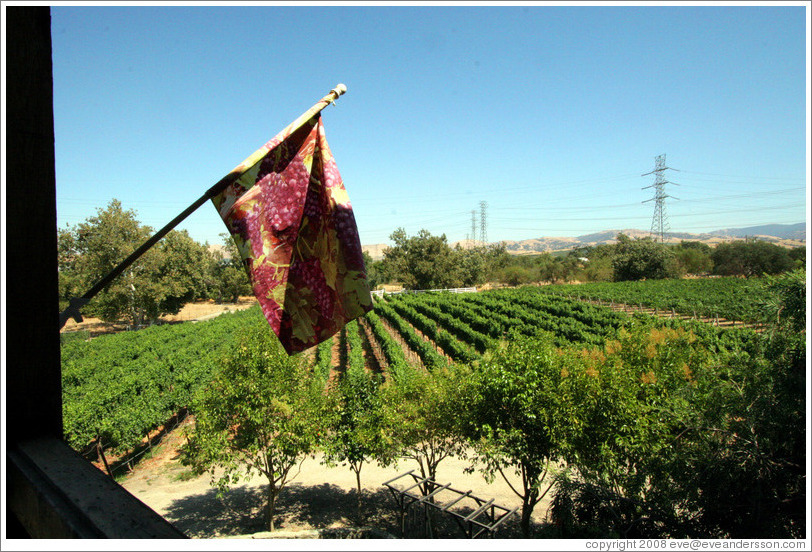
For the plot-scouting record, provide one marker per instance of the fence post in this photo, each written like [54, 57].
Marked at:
[103, 458]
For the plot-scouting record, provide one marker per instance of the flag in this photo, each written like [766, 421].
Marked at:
[291, 219]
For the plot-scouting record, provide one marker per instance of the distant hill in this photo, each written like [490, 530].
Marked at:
[783, 231]
[788, 235]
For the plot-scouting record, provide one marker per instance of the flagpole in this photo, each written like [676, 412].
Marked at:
[76, 303]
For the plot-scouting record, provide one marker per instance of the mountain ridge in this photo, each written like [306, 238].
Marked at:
[787, 235]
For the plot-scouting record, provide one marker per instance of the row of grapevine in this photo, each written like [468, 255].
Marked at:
[565, 330]
[120, 387]
[455, 325]
[392, 350]
[355, 347]
[324, 359]
[728, 297]
[428, 355]
[453, 347]
[480, 320]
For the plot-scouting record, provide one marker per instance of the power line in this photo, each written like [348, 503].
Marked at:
[659, 222]
[483, 223]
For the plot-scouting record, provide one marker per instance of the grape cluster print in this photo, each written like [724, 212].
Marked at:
[309, 274]
[297, 233]
[347, 233]
[282, 196]
[265, 279]
[312, 206]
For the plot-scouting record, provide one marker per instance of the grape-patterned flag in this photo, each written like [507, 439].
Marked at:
[290, 216]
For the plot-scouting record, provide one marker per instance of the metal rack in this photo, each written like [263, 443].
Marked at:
[416, 511]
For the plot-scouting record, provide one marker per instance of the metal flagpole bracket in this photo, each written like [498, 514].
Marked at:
[72, 311]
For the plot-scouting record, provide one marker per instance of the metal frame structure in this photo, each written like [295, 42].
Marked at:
[416, 510]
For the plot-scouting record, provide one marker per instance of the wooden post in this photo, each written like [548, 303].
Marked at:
[103, 458]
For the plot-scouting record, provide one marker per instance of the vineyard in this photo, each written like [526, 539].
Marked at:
[728, 297]
[118, 388]
[659, 406]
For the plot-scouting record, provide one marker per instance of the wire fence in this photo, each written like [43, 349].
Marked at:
[381, 292]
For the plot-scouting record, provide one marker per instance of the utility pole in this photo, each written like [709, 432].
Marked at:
[659, 222]
[483, 228]
[473, 228]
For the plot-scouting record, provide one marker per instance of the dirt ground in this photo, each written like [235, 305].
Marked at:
[200, 310]
[317, 498]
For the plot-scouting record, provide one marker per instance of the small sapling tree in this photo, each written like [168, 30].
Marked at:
[263, 413]
[521, 416]
[357, 435]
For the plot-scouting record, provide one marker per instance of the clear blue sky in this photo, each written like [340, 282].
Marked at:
[550, 114]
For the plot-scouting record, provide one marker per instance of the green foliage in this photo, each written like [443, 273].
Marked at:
[749, 429]
[423, 412]
[681, 443]
[643, 258]
[357, 435]
[324, 360]
[694, 257]
[596, 270]
[230, 280]
[514, 275]
[750, 258]
[262, 413]
[786, 304]
[425, 261]
[659, 428]
[393, 352]
[420, 262]
[175, 271]
[520, 416]
[375, 273]
[120, 387]
[727, 297]
[428, 355]
[453, 347]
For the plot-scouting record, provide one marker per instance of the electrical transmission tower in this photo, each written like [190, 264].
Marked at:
[659, 222]
[473, 227]
[483, 225]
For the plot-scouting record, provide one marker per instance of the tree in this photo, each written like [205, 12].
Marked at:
[375, 273]
[787, 307]
[94, 247]
[598, 269]
[70, 282]
[357, 435]
[643, 258]
[422, 413]
[519, 417]
[420, 262]
[263, 413]
[161, 281]
[183, 269]
[750, 258]
[231, 279]
[643, 391]
[694, 257]
[798, 256]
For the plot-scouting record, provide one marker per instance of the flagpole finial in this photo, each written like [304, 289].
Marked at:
[339, 90]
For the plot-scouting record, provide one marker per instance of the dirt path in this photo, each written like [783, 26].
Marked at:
[375, 362]
[319, 497]
[408, 352]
